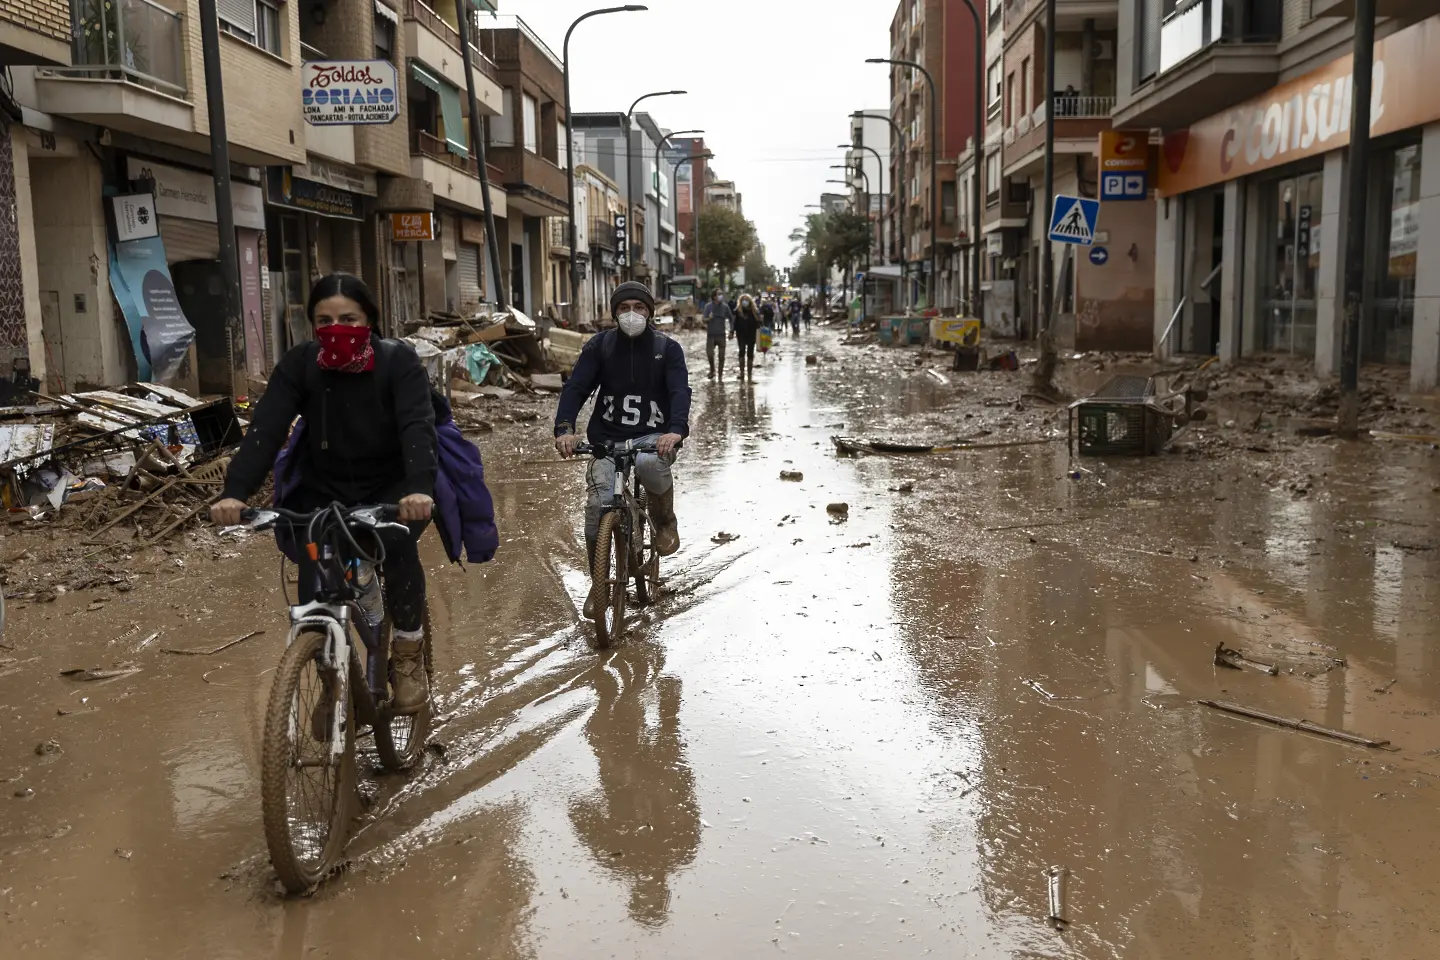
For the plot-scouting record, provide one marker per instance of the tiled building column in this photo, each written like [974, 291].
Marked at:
[1169, 248]
[1330, 284]
[1232, 271]
[1425, 346]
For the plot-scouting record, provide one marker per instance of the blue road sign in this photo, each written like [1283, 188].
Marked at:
[1099, 256]
[1125, 186]
[1073, 220]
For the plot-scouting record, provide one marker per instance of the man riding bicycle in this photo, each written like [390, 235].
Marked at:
[642, 390]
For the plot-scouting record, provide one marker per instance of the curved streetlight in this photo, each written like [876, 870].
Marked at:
[660, 153]
[707, 155]
[630, 174]
[880, 165]
[865, 178]
[570, 136]
[934, 110]
[899, 133]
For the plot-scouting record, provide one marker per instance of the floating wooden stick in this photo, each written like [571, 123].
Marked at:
[1056, 877]
[211, 653]
[1304, 725]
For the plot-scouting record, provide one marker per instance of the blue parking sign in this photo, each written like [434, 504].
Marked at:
[1127, 185]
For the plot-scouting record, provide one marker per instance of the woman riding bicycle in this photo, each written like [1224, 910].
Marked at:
[369, 439]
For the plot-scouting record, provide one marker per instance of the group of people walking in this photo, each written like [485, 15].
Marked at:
[749, 325]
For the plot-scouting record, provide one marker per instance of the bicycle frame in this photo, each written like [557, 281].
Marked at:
[625, 495]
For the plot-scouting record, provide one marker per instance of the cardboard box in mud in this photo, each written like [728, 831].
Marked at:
[961, 331]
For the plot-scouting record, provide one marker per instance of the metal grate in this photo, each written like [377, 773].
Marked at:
[1132, 388]
[12, 289]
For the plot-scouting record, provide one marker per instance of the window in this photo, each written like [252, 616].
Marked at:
[992, 89]
[1026, 103]
[384, 38]
[997, 7]
[992, 179]
[254, 21]
[1011, 107]
[531, 116]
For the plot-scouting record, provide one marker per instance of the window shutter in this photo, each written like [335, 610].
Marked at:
[239, 13]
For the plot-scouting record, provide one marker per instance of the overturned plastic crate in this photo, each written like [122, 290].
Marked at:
[1122, 418]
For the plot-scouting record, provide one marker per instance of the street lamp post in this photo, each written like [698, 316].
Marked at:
[707, 155]
[899, 133]
[934, 110]
[849, 267]
[659, 153]
[630, 174]
[865, 179]
[880, 166]
[570, 130]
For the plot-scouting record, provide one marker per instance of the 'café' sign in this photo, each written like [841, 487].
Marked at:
[335, 92]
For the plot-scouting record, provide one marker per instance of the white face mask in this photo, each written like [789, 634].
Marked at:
[632, 324]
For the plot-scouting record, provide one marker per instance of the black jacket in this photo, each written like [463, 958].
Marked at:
[641, 387]
[370, 436]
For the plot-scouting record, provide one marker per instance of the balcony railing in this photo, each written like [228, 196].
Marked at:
[131, 40]
[509, 21]
[1075, 106]
[602, 234]
[559, 232]
[1198, 24]
[428, 145]
[422, 14]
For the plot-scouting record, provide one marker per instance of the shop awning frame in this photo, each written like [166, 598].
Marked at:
[450, 111]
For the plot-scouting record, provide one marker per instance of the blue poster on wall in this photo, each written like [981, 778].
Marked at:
[159, 333]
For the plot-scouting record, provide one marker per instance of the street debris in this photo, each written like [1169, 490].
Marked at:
[1236, 660]
[212, 652]
[851, 446]
[838, 509]
[99, 673]
[47, 748]
[723, 537]
[792, 475]
[1303, 725]
[1055, 879]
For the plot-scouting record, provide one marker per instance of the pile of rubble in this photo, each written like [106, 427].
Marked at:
[143, 460]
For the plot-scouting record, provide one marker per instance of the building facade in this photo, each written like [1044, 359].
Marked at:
[1252, 101]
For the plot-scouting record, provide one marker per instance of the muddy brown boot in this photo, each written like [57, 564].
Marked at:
[662, 516]
[596, 596]
[410, 686]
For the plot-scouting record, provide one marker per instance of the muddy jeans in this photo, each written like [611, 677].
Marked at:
[712, 344]
[652, 469]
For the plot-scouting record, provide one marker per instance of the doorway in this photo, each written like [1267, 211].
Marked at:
[517, 275]
[1290, 262]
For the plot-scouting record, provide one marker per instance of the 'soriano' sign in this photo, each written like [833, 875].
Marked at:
[349, 92]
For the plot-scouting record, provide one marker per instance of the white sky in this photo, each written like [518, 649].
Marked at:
[771, 82]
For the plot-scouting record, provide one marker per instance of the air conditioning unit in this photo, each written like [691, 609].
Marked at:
[1103, 50]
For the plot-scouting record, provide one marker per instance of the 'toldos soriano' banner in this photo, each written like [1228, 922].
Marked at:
[349, 92]
[1308, 116]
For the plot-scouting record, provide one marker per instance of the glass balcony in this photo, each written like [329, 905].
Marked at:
[135, 41]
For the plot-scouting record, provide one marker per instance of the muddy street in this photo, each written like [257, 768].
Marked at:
[866, 734]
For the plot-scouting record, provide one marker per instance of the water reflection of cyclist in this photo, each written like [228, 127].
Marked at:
[642, 393]
[369, 439]
[645, 823]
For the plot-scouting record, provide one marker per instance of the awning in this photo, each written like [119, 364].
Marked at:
[383, 11]
[450, 113]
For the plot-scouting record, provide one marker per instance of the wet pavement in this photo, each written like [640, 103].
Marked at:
[866, 737]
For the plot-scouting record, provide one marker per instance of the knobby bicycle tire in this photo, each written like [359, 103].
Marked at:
[394, 757]
[610, 558]
[282, 740]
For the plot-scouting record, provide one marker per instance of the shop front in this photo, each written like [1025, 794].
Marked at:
[1251, 232]
[315, 229]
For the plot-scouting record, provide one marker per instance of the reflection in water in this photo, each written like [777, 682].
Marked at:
[645, 823]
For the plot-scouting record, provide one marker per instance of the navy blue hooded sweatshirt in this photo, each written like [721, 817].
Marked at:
[641, 387]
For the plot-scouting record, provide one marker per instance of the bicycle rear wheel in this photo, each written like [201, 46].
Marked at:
[610, 572]
[400, 739]
[307, 764]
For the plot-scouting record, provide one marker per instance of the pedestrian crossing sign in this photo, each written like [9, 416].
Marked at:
[1073, 220]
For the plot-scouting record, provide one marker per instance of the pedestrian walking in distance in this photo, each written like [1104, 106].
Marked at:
[718, 318]
[746, 327]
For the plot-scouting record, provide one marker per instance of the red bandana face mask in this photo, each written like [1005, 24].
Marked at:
[345, 347]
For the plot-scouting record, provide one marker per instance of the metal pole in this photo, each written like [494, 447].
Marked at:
[977, 188]
[477, 149]
[570, 127]
[1358, 163]
[1047, 263]
[220, 164]
[675, 194]
[934, 285]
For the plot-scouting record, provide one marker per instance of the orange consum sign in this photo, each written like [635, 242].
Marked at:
[412, 226]
[1124, 151]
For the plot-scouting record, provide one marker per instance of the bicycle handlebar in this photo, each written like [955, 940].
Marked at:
[610, 448]
[377, 516]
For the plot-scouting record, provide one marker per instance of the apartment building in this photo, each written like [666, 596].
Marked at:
[1252, 99]
[725, 194]
[940, 36]
[688, 200]
[599, 202]
[527, 143]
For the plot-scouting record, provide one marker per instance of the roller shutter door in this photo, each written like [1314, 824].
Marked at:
[468, 265]
[189, 240]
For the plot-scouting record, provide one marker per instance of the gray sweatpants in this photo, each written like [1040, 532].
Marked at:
[652, 469]
[713, 344]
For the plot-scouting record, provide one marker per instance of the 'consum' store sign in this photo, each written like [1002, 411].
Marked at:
[1308, 116]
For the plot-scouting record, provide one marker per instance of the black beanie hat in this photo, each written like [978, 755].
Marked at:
[631, 290]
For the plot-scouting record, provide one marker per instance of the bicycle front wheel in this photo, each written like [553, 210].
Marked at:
[307, 765]
[610, 571]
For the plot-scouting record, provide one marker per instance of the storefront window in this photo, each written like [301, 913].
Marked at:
[1291, 261]
[1387, 333]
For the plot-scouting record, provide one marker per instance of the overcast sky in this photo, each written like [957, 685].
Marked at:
[771, 82]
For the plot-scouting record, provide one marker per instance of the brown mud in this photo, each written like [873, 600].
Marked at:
[866, 733]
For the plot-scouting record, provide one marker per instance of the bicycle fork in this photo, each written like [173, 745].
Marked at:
[333, 661]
